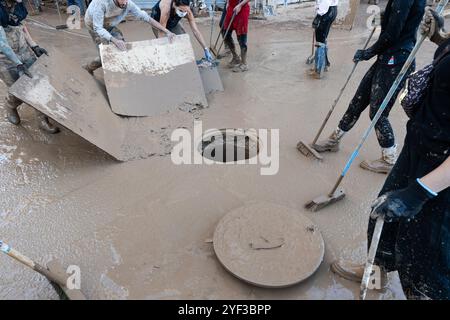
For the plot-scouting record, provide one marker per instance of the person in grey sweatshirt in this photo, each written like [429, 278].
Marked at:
[102, 18]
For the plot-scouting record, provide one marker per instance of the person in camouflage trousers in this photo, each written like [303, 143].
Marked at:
[18, 52]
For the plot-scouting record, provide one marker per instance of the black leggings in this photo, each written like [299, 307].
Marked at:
[372, 90]
[242, 40]
[323, 29]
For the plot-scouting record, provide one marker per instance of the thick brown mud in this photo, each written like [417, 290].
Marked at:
[138, 229]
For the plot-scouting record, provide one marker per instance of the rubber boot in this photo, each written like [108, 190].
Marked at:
[355, 272]
[331, 144]
[92, 66]
[12, 114]
[44, 123]
[235, 61]
[242, 67]
[384, 164]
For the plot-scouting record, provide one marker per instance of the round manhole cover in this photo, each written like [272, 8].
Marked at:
[268, 245]
[229, 145]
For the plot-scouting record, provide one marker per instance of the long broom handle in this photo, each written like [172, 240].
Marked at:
[31, 264]
[226, 32]
[371, 257]
[213, 8]
[442, 4]
[341, 92]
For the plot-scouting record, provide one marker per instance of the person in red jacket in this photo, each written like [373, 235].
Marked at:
[241, 10]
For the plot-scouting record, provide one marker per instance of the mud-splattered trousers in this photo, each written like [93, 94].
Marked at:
[115, 32]
[15, 37]
[323, 29]
[371, 92]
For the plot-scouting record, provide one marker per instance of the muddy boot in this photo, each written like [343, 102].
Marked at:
[44, 123]
[242, 67]
[12, 115]
[331, 144]
[354, 272]
[92, 66]
[384, 164]
[11, 105]
[235, 61]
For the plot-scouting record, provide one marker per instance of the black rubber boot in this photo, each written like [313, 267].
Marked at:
[13, 115]
[45, 125]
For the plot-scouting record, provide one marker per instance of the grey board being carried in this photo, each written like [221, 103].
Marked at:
[69, 95]
[152, 77]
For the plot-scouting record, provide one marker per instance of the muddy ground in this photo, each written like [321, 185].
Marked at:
[138, 229]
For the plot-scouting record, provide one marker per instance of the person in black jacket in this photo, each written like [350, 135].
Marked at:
[415, 199]
[397, 39]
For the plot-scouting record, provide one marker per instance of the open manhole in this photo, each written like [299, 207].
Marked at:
[229, 145]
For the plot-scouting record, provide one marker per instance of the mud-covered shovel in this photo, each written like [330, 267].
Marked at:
[54, 271]
[371, 257]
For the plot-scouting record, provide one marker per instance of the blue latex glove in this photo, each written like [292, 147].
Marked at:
[208, 55]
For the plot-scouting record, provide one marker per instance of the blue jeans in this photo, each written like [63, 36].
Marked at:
[79, 3]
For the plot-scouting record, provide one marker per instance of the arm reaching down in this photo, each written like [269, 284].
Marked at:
[38, 51]
[407, 203]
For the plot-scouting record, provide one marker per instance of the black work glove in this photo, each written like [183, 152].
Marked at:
[363, 55]
[401, 204]
[38, 51]
[21, 70]
[316, 22]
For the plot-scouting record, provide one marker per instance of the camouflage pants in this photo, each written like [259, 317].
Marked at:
[115, 32]
[8, 70]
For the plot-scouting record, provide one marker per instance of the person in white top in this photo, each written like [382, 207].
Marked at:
[326, 13]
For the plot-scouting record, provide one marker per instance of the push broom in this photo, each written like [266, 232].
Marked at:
[337, 193]
[308, 149]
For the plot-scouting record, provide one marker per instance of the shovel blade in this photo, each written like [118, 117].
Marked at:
[210, 79]
[57, 271]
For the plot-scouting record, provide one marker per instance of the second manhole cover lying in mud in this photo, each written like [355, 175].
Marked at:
[229, 145]
[268, 245]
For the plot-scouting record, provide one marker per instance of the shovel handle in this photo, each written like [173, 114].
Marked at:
[341, 92]
[226, 32]
[371, 257]
[16, 255]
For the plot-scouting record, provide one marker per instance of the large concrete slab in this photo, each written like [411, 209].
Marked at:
[152, 77]
[68, 94]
